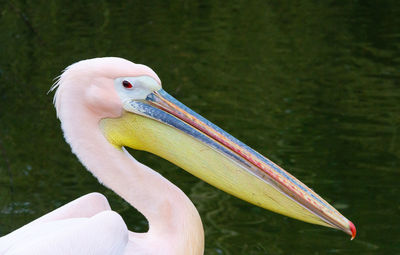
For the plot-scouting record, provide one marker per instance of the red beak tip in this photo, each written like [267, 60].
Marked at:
[353, 230]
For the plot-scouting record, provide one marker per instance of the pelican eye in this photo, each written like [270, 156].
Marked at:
[127, 84]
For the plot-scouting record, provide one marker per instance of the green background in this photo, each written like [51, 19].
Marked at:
[313, 85]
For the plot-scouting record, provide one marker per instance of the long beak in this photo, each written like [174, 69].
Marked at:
[231, 165]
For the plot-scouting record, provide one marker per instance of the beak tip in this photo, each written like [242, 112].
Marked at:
[353, 230]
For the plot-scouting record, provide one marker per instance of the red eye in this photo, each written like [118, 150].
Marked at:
[127, 84]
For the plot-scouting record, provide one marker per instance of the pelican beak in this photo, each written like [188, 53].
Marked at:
[162, 125]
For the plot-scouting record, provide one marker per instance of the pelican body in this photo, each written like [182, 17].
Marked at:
[107, 104]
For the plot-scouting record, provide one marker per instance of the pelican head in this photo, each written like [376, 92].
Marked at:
[132, 110]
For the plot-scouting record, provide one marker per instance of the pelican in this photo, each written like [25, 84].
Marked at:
[107, 104]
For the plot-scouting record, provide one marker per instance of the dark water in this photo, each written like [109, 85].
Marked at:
[313, 85]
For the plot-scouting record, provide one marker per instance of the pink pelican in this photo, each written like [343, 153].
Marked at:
[106, 104]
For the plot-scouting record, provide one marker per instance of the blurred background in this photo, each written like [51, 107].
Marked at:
[313, 85]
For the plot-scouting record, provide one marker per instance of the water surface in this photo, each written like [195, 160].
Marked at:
[313, 86]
